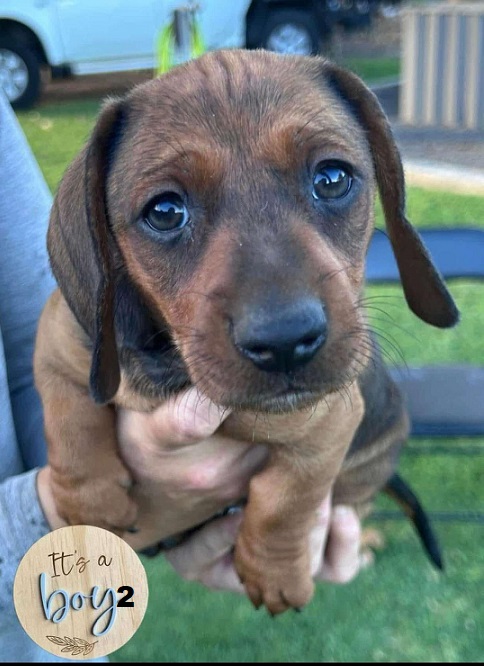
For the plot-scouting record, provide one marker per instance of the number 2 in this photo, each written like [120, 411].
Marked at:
[123, 603]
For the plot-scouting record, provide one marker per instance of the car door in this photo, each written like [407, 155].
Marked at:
[222, 22]
[109, 35]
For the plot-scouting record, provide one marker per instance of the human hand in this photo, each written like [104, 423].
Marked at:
[187, 473]
[206, 557]
[184, 471]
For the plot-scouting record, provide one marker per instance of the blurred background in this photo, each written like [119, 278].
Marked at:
[44, 41]
[425, 61]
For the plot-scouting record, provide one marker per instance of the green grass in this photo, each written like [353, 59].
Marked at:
[374, 69]
[401, 610]
[56, 133]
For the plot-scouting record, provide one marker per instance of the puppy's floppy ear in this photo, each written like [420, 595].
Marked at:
[424, 288]
[81, 245]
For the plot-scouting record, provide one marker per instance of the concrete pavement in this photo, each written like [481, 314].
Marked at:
[451, 160]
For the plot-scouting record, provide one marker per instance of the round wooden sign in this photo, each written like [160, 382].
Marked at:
[80, 592]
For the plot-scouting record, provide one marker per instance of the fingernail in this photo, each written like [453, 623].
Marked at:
[342, 511]
[233, 510]
[367, 558]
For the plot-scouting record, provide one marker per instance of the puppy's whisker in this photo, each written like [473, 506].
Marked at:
[255, 425]
[154, 336]
[208, 369]
[187, 327]
[345, 395]
[385, 353]
[169, 339]
[332, 274]
[372, 318]
[198, 363]
[214, 296]
[367, 344]
[365, 308]
[380, 297]
[385, 336]
[389, 340]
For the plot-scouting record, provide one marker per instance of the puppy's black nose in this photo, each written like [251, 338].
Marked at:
[283, 338]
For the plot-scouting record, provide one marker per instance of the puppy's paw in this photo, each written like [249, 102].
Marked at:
[277, 583]
[100, 498]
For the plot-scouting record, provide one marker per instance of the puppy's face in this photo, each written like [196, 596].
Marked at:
[234, 198]
[243, 217]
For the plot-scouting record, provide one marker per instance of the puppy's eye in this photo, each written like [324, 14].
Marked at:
[166, 213]
[331, 181]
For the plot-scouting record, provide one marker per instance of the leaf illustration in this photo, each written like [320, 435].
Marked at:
[74, 645]
[56, 640]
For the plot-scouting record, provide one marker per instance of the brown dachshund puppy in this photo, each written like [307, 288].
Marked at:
[213, 232]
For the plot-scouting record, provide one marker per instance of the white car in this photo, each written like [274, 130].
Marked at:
[98, 36]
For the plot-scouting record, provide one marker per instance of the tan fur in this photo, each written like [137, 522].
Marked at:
[238, 132]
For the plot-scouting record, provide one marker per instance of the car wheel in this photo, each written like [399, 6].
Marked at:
[19, 73]
[291, 32]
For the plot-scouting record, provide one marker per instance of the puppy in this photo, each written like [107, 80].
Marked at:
[213, 233]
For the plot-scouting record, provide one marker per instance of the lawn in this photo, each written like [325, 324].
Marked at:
[373, 70]
[400, 610]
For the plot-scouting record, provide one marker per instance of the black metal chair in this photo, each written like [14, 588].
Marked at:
[443, 400]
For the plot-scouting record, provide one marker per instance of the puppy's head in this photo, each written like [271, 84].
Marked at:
[235, 196]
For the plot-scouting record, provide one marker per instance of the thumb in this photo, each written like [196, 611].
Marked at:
[186, 419]
[207, 557]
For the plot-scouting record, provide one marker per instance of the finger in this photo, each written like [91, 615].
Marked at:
[318, 536]
[186, 419]
[221, 575]
[341, 560]
[206, 556]
[236, 467]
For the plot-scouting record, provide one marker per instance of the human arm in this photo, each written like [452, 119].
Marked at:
[25, 282]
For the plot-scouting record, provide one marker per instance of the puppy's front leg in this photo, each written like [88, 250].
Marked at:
[272, 553]
[89, 482]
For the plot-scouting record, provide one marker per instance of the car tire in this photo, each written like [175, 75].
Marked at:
[291, 32]
[19, 73]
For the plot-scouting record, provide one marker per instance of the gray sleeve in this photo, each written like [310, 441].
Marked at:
[25, 277]
[22, 523]
[24, 285]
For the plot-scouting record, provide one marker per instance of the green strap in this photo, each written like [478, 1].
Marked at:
[165, 46]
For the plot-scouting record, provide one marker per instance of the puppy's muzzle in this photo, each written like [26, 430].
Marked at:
[281, 338]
